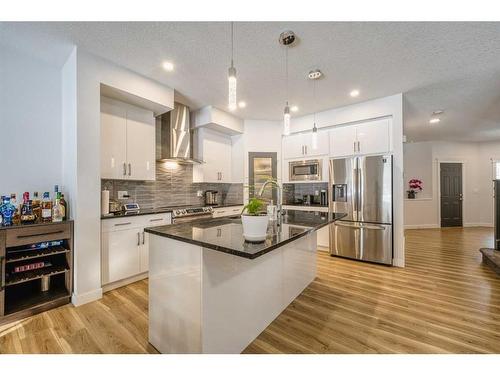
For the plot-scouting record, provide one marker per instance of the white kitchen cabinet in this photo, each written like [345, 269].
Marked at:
[371, 137]
[125, 246]
[215, 149]
[300, 145]
[120, 254]
[127, 141]
[342, 141]
[113, 139]
[324, 237]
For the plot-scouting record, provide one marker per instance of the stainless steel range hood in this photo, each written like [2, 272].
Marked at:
[176, 137]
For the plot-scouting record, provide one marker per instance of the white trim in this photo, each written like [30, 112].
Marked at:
[422, 226]
[398, 262]
[120, 283]
[418, 199]
[487, 225]
[438, 167]
[82, 299]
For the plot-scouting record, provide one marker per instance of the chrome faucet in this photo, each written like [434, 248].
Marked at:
[279, 203]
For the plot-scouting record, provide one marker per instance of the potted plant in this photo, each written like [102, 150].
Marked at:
[416, 186]
[254, 221]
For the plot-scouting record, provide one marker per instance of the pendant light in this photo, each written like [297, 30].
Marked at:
[231, 76]
[314, 75]
[287, 38]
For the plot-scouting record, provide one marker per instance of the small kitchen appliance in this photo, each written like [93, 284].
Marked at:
[305, 170]
[211, 197]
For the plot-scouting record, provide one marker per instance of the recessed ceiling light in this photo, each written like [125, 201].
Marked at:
[294, 108]
[168, 66]
[242, 104]
[434, 120]
[435, 116]
[354, 93]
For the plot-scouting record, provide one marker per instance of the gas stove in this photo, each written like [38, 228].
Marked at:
[191, 213]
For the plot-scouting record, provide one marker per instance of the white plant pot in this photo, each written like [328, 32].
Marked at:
[255, 227]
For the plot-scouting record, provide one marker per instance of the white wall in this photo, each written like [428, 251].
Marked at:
[30, 123]
[90, 73]
[422, 161]
[389, 106]
[258, 136]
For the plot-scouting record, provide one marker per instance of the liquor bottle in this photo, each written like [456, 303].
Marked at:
[16, 217]
[46, 208]
[65, 205]
[7, 209]
[57, 209]
[27, 216]
[37, 208]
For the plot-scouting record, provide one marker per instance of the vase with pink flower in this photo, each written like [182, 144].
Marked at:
[415, 186]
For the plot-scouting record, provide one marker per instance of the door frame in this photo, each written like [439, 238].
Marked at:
[445, 161]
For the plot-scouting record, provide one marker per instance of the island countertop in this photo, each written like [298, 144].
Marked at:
[226, 234]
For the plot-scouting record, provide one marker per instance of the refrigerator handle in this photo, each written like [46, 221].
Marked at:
[360, 187]
[354, 193]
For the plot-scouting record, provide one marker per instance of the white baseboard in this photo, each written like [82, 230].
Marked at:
[323, 248]
[82, 299]
[120, 283]
[488, 225]
[397, 262]
[422, 226]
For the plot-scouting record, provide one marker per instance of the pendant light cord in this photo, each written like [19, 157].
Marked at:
[314, 102]
[286, 73]
[232, 42]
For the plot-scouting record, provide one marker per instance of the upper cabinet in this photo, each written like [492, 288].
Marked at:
[127, 141]
[215, 149]
[300, 145]
[372, 137]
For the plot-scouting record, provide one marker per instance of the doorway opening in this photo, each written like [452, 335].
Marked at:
[451, 194]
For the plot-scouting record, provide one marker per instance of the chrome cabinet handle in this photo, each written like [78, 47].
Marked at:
[359, 148]
[138, 238]
[129, 169]
[159, 219]
[354, 145]
[143, 235]
[119, 224]
[124, 169]
[305, 148]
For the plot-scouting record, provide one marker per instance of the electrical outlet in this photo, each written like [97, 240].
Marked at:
[199, 193]
[122, 194]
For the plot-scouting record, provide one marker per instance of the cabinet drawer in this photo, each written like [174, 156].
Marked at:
[156, 220]
[227, 211]
[37, 233]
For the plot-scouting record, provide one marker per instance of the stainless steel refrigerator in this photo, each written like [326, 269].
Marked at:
[361, 187]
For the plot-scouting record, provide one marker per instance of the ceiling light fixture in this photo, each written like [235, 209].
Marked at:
[168, 66]
[294, 108]
[354, 93]
[231, 76]
[242, 104]
[314, 75]
[436, 117]
[287, 38]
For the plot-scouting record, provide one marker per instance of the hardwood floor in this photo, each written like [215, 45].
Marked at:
[444, 301]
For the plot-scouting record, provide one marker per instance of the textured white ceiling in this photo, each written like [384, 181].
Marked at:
[450, 66]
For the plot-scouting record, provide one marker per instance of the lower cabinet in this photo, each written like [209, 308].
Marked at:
[125, 246]
[324, 238]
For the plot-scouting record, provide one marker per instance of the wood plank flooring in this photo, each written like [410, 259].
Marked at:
[444, 301]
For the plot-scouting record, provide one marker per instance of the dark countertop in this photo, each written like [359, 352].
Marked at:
[226, 234]
[160, 210]
[314, 205]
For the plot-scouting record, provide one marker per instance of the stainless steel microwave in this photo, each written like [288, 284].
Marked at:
[305, 170]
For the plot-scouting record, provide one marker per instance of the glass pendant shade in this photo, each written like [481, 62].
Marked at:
[314, 138]
[286, 120]
[231, 77]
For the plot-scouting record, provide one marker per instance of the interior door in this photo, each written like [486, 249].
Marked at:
[113, 139]
[451, 194]
[262, 166]
[140, 144]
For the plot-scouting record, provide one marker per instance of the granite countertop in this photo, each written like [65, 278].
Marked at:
[160, 210]
[226, 234]
[314, 205]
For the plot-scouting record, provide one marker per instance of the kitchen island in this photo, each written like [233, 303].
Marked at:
[212, 292]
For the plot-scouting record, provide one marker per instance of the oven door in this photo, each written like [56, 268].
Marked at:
[305, 170]
[186, 219]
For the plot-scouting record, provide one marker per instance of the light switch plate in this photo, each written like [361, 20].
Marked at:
[199, 193]
[122, 194]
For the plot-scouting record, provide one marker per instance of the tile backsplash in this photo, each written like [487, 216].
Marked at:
[173, 187]
[293, 193]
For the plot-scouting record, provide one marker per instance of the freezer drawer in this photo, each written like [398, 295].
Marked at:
[362, 241]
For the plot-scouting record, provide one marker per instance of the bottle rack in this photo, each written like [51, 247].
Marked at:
[21, 292]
